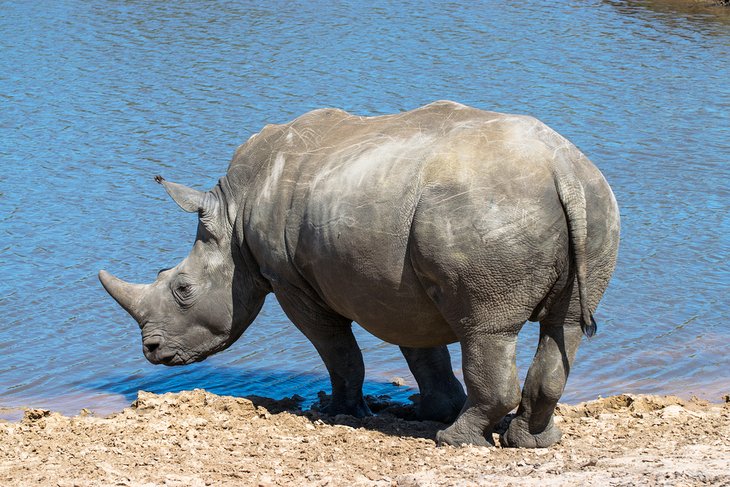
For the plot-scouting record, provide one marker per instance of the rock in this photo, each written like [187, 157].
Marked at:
[32, 415]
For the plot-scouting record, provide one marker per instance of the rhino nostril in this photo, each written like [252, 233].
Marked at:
[152, 344]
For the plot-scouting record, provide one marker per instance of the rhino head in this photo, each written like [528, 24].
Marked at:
[204, 304]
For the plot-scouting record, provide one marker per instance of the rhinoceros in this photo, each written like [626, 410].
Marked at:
[441, 224]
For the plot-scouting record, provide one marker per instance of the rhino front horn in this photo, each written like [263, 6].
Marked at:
[127, 295]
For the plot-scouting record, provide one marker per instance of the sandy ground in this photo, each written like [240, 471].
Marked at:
[197, 438]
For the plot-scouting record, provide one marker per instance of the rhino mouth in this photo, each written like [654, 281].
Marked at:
[158, 351]
[161, 348]
[167, 357]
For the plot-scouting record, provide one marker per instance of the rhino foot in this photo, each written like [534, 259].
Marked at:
[518, 435]
[358, 410]
[447, 437]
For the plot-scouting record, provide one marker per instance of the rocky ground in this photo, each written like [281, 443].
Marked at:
[197, 438]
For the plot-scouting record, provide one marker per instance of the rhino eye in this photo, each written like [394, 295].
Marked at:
[183, 292]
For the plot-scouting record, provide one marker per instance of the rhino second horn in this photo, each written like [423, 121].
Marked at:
[126, 294]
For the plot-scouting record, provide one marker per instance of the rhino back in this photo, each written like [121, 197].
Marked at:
[362, 213]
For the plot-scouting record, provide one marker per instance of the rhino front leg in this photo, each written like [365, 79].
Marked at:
[331, 334]
[442, 395]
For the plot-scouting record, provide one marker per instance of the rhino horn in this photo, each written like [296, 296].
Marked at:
[127, 295]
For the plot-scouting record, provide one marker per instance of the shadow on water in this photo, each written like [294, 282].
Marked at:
[225, 381]
[228, 381]
[278, 391]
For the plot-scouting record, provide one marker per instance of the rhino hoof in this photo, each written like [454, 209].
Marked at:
[454, 438]
[335, 408]
[518, 435]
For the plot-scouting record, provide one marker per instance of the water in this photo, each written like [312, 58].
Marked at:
[97, 97]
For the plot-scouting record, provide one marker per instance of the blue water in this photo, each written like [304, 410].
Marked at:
[98, 97]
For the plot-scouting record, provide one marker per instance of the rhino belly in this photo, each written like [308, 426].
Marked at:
[399, 313]
[410, 321]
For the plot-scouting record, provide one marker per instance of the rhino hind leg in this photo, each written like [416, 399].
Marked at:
[331, 335]
[560, 335]
[442, 395]
[492, 389]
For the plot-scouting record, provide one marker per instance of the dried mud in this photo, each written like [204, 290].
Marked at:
[197, 438]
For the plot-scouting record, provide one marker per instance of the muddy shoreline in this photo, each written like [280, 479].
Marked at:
[197, 438]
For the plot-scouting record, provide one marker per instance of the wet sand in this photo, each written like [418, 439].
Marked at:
[197, 438]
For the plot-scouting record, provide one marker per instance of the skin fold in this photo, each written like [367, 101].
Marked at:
[441, 224]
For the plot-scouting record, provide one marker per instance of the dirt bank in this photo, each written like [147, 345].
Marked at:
[197, 438]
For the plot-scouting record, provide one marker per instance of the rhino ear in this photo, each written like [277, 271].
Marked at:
[190, 200]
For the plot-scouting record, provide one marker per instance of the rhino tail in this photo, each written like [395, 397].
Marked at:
[572, 197]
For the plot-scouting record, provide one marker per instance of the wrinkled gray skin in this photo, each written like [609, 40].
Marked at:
[437, 225]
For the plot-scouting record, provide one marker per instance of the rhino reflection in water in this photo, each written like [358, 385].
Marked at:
[437, 225]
